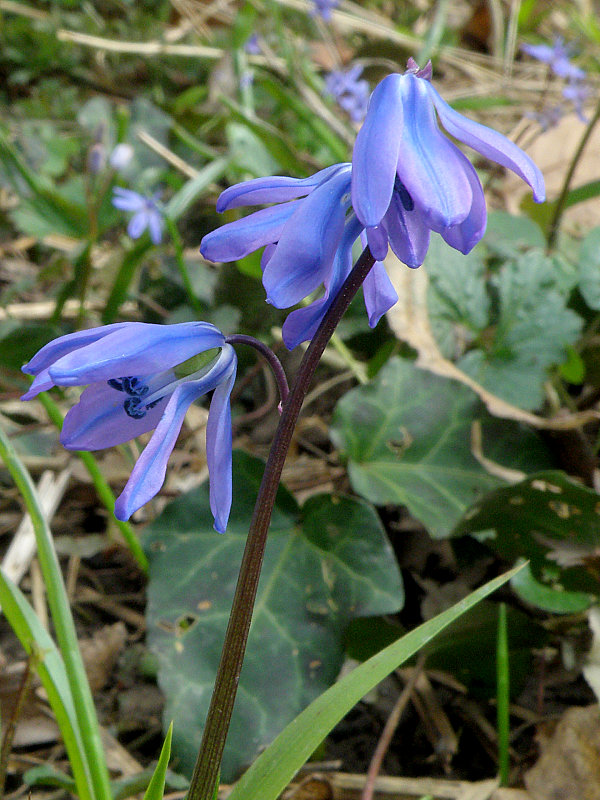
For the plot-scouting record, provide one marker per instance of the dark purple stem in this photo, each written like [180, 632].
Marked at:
[206, 771]
[269, 355]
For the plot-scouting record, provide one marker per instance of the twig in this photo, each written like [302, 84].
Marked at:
[11, 727]
[389, 730]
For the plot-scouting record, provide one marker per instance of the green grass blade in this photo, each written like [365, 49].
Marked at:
[156, 787]
[131, 261]
[63, 622]
[502, 696]
[195, 186]
[273, 769]
[51, 669]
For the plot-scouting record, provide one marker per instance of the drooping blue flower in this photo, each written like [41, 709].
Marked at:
[402, 158]
[142, 377]
[308, 242]
[147, 213]
[350, 93]
[557, 56]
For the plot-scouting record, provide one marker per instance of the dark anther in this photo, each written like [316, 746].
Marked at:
[134, 408]
[116, 383]
[402, 192]
[134, 386]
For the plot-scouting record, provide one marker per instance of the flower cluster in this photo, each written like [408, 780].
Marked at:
[142, 377]
[406, 180]
[558, 58]
[349, 92]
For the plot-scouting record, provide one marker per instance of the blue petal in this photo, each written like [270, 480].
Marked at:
[99, 420]
[138, 224]
[58, 348]
[218, 448]
[148, 475]
[308, 243]
[139, 349]
[274, 189]
[430, 166]
[378, 241]
[465, 235]
[379, 293]
[155, 226]
[237, 239]
[376, 151]
[408, 233]
[489, 143]
[301, 325]
[126, 200]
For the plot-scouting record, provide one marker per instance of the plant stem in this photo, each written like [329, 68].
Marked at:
[502, 696]
[207, 767]
[269, 356]
[561, 203]
[182, 266]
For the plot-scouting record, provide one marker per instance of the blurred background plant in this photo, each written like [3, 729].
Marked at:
[459, 437]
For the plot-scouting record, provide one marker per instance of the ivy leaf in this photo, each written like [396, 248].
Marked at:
[324, 565]
[532, 333]
[407, 436]
[548, 519]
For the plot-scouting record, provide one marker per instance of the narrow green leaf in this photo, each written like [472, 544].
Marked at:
[502, 695]
[51, 669]
[63, 622]
[156, 787]
[181, 201]
[276, 766]
[118, 293]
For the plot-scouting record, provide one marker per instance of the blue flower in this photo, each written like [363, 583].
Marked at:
[324, 8]
[252, 45]
[147, 213]
[577, 92]
[142, 377]
[350, 93]
[308, 242]
[403, 166]
[557, 57]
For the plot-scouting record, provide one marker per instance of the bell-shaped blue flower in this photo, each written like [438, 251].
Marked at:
[146, 213]
[308, 242]
[142, 377]
[401, 157]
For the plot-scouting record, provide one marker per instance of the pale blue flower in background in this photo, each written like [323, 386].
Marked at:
[324, 8]
[252, 45]
[142, 377]
[350, 93]
[557, 56]
[577, 92]
[146, 213]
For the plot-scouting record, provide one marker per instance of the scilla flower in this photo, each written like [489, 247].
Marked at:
[142, 377]
[401, 158]
[308, 242]
[147, 213]
[350, 93]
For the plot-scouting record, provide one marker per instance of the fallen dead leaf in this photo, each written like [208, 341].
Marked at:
[100, 653]
[410, 322]
[569, 765]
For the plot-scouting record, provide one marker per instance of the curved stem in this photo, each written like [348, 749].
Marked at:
[269, 355]
[561, 203]
[206, 771]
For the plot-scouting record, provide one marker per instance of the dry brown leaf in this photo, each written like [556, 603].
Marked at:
[553, 151]
[569, 765]
[410, 322]
[100, 653]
